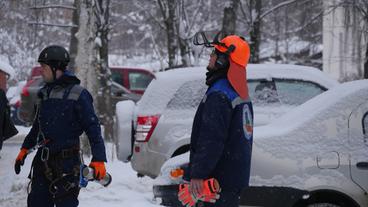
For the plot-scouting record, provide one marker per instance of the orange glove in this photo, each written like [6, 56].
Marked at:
[211, 188]
[19, 161]
[185, 197]
[209, 193]
[99, 170]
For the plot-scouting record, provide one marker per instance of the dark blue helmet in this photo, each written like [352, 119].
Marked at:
[57, 57]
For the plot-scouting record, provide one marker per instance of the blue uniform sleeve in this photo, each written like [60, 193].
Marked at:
[91, 126]
[31, 139]
[213, 133]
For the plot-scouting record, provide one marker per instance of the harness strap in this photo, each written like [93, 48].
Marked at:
[67, 153]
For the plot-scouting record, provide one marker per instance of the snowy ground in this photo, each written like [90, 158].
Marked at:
[125, 190]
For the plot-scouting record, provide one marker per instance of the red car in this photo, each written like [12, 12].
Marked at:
[134, 79]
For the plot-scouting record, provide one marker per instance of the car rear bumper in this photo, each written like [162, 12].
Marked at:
[147, 162]
[266, 196]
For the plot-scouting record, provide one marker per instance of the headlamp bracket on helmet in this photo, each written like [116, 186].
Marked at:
[200, 38]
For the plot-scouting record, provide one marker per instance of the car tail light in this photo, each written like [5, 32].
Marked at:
[25, 91]
[17, 104]
[145, 127]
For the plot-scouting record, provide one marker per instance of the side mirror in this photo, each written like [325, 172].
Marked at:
[119, 93]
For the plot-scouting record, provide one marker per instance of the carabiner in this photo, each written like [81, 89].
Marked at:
[45, 154]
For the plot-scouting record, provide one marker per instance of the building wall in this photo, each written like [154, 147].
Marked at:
[2, 80]
[343, 42]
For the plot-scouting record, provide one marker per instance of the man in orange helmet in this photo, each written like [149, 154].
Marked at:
[222, 134]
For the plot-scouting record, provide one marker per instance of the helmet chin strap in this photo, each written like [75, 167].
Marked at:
[53, 69]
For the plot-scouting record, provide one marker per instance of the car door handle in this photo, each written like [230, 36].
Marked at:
[362, 165]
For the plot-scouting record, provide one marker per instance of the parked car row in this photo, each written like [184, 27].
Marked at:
[161, 125]
[310, 146]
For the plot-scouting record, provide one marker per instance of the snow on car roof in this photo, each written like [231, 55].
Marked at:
[119, 67]
[267, 71]
[343, 97]
[4, 66]
[261, 71]
[159, 92]
[161, 89]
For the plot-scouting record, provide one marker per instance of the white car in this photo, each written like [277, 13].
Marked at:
[319, 148]
[161, 124]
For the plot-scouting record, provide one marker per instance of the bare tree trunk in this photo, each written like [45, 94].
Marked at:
[286, 37]
[171, 38]
[366, 63]
[255, 33]
[86, 59]
[184, 52]
[365, 75]
[167, 8]
[73, 45]
[229, 20]
[106, 108]
[182, 29]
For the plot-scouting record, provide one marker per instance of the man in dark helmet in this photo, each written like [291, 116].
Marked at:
[221, 139]
[64, 112]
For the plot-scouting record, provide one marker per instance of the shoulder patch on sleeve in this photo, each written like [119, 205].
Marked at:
[75, 92]
[247, 122]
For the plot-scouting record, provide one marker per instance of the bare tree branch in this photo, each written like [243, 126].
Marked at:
[53, 6]
[196, 13]
[246, 17]
[311, 21]
[278, 6]
[49, 24]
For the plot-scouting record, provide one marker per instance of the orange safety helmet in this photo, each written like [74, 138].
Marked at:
[239, 52]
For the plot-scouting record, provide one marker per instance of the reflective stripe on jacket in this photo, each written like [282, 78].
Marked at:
[65, 112]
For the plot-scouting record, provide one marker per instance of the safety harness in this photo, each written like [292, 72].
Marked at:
[61, 184]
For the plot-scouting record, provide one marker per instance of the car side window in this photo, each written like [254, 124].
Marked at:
[139, 81]
[117, 77]
[365, 127]
[263, 92]
[188, 96]
[296, 92]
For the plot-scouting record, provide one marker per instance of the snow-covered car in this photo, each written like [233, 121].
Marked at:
[320, 147]
[159, 127]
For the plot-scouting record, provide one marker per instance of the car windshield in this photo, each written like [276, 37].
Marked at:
[139, 81]
[188, 95]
